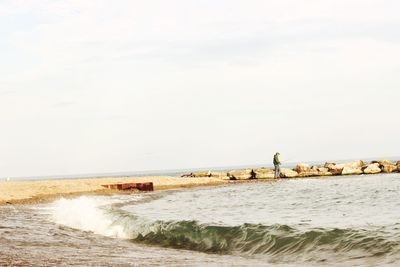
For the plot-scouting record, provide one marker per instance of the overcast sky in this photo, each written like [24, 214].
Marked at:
[110, 86]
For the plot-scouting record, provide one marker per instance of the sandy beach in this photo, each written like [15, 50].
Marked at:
[14, 192]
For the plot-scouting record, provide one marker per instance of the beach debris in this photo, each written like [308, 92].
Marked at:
[264, 173]
[201, 174]
[372, 168]
[148, 186]
[241, 175]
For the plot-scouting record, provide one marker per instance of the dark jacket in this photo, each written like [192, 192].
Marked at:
[276, 160]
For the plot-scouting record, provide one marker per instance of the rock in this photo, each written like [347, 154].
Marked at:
[348, 170]
[324, 172]
[388, 168]
[329, 165]
[241, 175]
[335, 169]
[308, 174]
[311, 172]
[302, 168]
[386, 165]
[314, 168]
[382, 162]
[372, 168]
[263, 173]
[355, 164]
[288, 173]
[201, 174]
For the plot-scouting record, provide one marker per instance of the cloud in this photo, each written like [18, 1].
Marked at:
[63, 104]
[199, 83]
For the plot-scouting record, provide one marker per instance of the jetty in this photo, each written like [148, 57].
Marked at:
[302, 170]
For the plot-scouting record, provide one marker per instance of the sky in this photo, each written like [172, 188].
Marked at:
[115, 86]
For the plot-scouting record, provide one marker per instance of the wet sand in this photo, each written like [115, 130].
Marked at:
[30, 192]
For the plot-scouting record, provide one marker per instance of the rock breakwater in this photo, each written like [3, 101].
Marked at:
[357, 167]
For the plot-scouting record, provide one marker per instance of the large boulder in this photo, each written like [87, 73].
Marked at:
[329, 165]
[372, 168]
[335, 169]
[288, 173]
[241, 174]
[302, 168]
[382, 162]
[311, 172]
[264, 173]
[324, 172]
[388, 168]
[348, 170]
[354, 164]
[386, 165]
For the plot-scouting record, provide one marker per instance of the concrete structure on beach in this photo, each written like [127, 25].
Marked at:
[305, 170]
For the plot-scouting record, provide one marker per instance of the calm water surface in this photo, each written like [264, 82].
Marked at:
[339, 221]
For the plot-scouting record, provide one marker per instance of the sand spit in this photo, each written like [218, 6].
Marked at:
[30, 192]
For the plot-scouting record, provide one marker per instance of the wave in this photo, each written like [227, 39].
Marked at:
[99, 217]
[262, 239]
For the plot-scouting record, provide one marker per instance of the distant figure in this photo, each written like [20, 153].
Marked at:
[277, 165]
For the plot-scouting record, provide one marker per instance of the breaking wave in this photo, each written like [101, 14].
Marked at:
[98, 216]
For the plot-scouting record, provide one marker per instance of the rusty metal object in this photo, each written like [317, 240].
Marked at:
[128, 186]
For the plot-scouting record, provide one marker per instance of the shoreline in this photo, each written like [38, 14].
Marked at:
[42, 191]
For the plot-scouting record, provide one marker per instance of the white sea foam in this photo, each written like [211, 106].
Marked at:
[87, 214]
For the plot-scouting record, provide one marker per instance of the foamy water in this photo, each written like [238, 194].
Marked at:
[339, 221]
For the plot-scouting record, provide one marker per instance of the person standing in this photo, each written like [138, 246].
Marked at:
[277, 165]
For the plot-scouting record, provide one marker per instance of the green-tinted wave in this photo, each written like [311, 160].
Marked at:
[261, 239]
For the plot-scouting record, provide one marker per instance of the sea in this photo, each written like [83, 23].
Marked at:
[330, 221]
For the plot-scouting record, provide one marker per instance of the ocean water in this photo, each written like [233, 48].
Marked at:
[336, 221]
